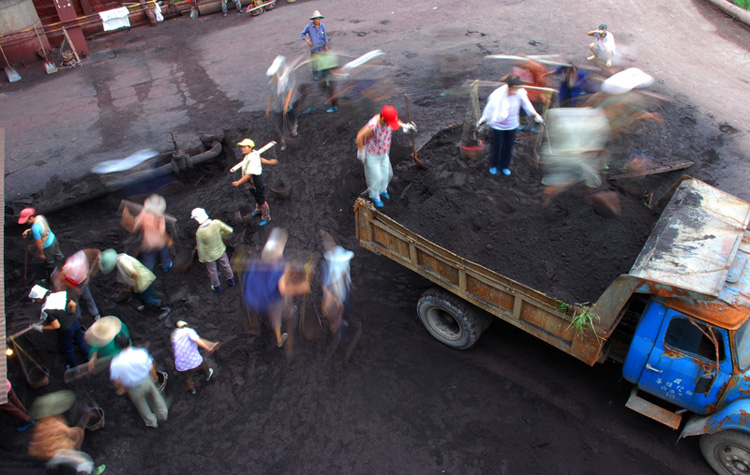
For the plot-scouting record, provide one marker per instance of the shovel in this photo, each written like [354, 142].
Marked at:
[49, 66]
[12, 74]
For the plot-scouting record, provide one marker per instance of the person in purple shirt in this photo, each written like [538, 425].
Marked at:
[316, 38]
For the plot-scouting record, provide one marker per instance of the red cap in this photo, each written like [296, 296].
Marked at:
[390, 115]
[26, 213]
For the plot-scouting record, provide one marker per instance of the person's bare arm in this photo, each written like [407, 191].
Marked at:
[268, 161]
[120, 388]
[52, 326]
[363, 134]
[206, 345]
[40, 247]
[241, 180]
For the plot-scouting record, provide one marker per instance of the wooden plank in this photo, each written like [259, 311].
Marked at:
[681, 165]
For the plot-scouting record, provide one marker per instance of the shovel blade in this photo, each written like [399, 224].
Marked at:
[12, 74]
[50, 67]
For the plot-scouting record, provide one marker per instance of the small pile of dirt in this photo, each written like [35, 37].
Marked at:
[568, 251]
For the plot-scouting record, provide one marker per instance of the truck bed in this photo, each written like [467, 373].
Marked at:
[522, 306]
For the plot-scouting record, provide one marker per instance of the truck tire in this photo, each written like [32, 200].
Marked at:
[450, 320]
[727, 452]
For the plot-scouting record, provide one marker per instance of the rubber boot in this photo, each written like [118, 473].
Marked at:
[265, 214]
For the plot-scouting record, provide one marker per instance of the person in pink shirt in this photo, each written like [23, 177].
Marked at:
[373, 147]
[155, 242]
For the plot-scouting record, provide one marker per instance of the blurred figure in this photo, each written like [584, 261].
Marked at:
[252, 178]
[574, 84]
[133, 372]
[271, 282]
[501, 115]
[136, 277]
[211, 248]
[75, 276]
[15, 408]
[624, 106]
[282, 99]
[314, 34]
[603, 47]
[61, 313]
[66, 462]
[336, 280]
[102, 339]
[47, 245]
[574, 150]
[155, 242]
[51, 431]
[373, 148]
[187, 356]
[533, 73]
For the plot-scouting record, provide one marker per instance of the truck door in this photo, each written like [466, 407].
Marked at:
[682, 366]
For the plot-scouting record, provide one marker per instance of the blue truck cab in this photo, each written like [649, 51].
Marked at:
[689, 357]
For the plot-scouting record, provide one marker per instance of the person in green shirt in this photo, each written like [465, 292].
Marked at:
[102, 341]
[211, 248]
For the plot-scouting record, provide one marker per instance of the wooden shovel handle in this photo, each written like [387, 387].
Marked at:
[416, 159]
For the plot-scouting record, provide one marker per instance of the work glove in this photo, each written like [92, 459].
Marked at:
[361, 155]
[38, 327]
[538, 119]
[409, 128]
[479, 124]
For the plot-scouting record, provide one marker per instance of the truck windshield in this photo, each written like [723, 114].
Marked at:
[742, 341]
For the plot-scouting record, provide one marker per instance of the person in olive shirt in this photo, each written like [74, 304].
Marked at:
[136, 277]
[211, 248]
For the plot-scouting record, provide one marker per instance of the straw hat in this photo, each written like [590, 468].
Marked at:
[52, 404]
[316, 14]
[103, 331]
[155, 204]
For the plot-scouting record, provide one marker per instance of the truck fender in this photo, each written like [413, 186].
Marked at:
[735, 416]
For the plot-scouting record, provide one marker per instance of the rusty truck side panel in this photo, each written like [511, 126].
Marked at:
[522, 306]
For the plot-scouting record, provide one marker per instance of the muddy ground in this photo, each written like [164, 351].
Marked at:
[403, 403]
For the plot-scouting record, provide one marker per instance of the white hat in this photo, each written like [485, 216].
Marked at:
[339, 254]
[38, 292]
[276, 65]
[626, 81]
[200, 215]
[316, 14]
[155, 204]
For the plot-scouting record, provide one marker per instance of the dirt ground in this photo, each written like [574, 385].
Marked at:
[403, 403]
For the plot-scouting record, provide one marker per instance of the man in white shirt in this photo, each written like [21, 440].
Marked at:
[603, 48]
[133, 372]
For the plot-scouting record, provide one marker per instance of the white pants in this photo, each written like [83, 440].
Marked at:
[378, 173]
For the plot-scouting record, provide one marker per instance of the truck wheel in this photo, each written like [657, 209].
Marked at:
[452, 321]
[727, 452]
